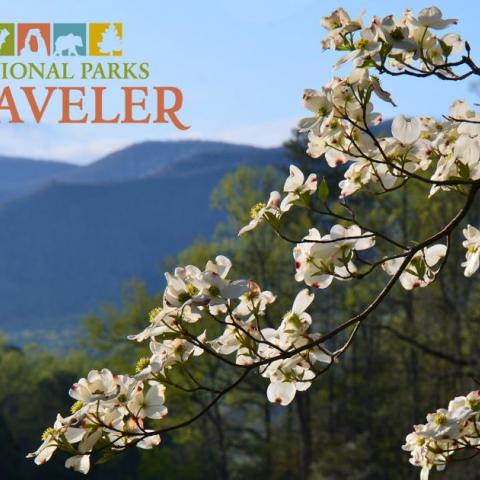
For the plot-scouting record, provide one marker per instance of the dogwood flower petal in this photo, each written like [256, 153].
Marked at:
[406, 131]
[79, 463]
[281, 392]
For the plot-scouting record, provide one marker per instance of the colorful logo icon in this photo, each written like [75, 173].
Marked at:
[61, 39]
[33, 39]
[7, 39]
[69, 39]
[105, 39]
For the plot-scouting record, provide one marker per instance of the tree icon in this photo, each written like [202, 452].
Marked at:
[111, 41]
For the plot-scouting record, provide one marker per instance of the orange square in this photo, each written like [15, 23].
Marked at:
[33, 39]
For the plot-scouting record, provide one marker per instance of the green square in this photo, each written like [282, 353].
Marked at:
[7, 39]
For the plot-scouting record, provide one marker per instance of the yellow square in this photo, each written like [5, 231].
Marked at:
[105, 39]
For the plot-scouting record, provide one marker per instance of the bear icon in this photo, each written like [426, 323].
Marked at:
[68, 43]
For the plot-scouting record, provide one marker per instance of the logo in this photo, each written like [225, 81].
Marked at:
[33, 39]
[58, 53]
[106, 39]
[7, 39]
[61, 39]
[69, 39]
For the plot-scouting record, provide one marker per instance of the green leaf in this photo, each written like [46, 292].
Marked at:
[385, 50]
[272, 220]
[446, 49]
[106, 457]
[305, 199]
[323, 190]
[397, 56]
[64, 446]
[368, 62]
[464, 170]
[169, 335]
[344, 48]
[368, 96]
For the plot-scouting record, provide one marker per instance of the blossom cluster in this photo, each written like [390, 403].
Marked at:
[239, 306]
[446, 432]
[421, 270]
[432, 150]
[289, 374]
[319, 259]
[406, 42]
[341, 127]
[110, 412]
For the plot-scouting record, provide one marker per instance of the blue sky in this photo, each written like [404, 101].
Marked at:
[242, 67]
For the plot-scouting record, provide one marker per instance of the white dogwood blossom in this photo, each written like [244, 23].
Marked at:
[421, 270]
[406, 131]
[260, 210]
[189, 285]
[296, 186]
[446, 432]
[109, 408]
[99, 385]
[432, 17]
[319, 259]
[472, 244]
[295, 373]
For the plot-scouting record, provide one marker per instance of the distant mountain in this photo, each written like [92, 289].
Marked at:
[152, 158]
[68, 247]
[220, 162]
[383, 129]
[20, 175]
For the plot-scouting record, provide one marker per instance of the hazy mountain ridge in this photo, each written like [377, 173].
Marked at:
[20, 175]
[68, 247]
[144, 159]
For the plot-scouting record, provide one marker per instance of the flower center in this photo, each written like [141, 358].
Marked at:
[322, 112]
[361, 44]
[192, 290]
[420, 441]
[48, 433]
[152, 315]
[441, 419]
[141, 364]
[76, 406]
[256, 210]
[474, 404]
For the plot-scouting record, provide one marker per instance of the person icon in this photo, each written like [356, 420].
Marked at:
[34, 43]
